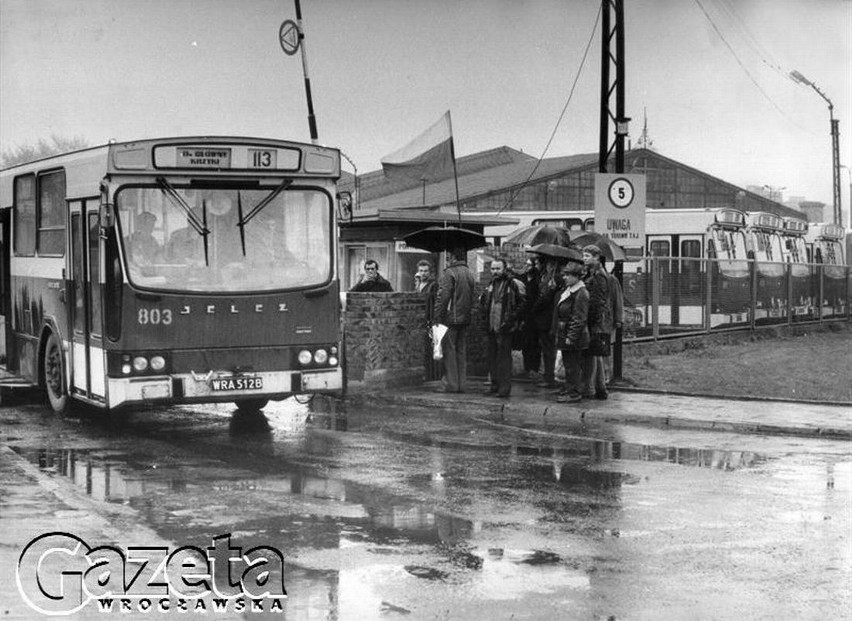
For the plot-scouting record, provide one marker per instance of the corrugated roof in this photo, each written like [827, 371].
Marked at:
[500, 170]
[428, 216]
[485, 175]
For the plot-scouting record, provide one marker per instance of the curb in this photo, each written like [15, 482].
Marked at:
[701, 395]
[522, 417]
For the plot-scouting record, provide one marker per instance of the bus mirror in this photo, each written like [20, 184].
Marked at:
[344, 206]
[107, 216]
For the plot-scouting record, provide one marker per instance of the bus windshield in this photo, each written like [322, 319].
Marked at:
[225, 240]
[728, 244]
[831, 251]
[798, 252]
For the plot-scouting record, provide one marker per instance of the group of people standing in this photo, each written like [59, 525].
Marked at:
[555, 305]
[568, 306]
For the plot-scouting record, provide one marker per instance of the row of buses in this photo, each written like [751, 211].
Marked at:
[683, 238]
[181, 270]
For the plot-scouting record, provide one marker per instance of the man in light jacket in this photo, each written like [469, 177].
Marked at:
[453, 308]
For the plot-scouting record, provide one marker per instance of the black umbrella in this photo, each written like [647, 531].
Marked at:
[559, 252]
[609, 249]
[440, 238]
[539, 234]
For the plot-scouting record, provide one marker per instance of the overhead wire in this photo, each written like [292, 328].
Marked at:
[745, 69]
[750, 39]
[561, 115]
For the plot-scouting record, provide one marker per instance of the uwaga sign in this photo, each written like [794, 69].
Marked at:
[620, 208]
[58, 574]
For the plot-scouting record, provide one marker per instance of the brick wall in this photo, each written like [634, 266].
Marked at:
[383, 336]
[384, 340]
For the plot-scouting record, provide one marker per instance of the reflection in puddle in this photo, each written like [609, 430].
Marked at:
[601, 451]
[354, 547]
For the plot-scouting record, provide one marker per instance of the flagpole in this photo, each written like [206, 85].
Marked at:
[455, 170]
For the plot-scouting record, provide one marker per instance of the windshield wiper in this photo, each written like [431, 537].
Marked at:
[200, 225]
[240, 224]
[169, 190]
[268, 199]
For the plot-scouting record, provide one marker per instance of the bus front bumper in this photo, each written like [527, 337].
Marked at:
[221, 387]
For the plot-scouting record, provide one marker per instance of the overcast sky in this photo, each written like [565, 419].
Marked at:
[715, 86]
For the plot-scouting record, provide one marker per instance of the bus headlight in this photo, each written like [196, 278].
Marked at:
[321, 356]
[332, 361]
[158, 363]
[305, 357]
[140, 363]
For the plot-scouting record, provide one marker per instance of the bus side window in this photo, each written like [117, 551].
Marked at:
[51, 214]
[660, 248]
[112, 287]
[24, 219]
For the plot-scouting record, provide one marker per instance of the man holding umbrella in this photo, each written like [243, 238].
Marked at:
[455, 297]
[541, 306]
[453, 308]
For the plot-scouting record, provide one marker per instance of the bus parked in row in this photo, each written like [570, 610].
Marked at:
[766, 247]
[776, 247]
[825, 243]
[796, 256]
[179, 270]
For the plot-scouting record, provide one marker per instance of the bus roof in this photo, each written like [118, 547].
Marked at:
[765, 221]
[199, 156]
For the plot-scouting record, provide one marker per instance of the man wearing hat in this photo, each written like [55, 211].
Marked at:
[599, 322]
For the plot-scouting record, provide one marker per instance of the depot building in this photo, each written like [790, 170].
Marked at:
[497, 188]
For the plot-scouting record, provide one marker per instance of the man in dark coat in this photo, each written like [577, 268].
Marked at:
[372, 281]
[600, 324]
[541, 317]
[502, 305]
[453, 308]
[427, 287]
[529, 337]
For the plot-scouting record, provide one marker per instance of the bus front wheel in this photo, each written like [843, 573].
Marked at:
[54, 375]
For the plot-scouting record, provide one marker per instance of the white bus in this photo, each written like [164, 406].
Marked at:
[177, 270]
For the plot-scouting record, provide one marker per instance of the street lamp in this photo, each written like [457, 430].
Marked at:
[835, 142]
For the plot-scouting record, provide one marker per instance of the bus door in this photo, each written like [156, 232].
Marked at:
[6, 341]
[660, 246]
[689, 280]
[87, 367]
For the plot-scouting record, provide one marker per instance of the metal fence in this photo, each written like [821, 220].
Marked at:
[668, 297]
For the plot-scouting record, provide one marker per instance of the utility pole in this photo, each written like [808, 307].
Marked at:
[613, 56]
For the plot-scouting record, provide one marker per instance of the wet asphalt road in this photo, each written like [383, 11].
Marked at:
[418, 514]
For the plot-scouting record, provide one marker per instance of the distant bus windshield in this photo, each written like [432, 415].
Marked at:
[224, 240]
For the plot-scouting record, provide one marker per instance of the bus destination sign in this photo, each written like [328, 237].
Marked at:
[203, 157]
